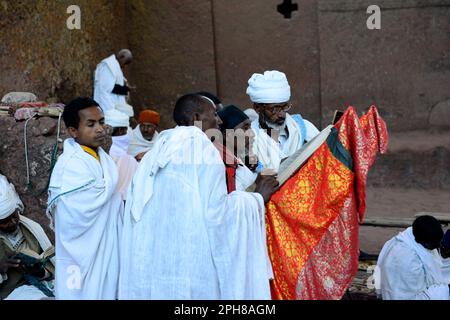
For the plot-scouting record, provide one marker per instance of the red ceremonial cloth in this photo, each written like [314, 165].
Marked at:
[313, 220]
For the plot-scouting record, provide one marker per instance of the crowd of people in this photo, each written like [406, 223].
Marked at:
[180, 213]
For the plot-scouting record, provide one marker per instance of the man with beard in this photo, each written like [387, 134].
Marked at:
[143, 137]
[278, 134]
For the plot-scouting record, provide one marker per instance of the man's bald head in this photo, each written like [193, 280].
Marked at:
[192, 108]
[124, 57]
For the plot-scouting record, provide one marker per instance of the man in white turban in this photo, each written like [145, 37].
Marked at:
[278, 134]
[18, 234]
[126, 164]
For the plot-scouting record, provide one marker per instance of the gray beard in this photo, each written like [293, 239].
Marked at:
[280, 127]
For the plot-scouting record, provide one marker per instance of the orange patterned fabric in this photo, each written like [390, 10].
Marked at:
[312, 221]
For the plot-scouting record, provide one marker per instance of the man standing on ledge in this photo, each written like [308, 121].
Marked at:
[110, 85]
[278, 134]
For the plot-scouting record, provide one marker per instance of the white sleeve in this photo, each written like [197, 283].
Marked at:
[103, 85]
[311, 130]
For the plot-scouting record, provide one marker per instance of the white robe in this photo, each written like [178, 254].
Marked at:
[408, 271]
[86, 209]
[107, 74]
[244, 176]
[139, 144]
[446, 269]
[126, 165]
[184, 237]
[270, 152]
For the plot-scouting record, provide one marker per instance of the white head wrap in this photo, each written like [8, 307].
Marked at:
[116, 118]
[125, 108]
[9, 199]
[270, 87]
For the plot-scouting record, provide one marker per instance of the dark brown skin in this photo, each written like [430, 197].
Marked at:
[266, 186]
[273, 112]
[147, 130]
[91, 129]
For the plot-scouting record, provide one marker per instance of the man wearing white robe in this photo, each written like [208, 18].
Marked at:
[409, 266]
[85, 207]
[126, 164]
[110, 85]
[278, 134]
[184, 237]
[21, 234]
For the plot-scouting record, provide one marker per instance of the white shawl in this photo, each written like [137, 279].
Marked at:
[408, 271]
[86, 209]
[268, 150]
[184, 237]
[139, 144]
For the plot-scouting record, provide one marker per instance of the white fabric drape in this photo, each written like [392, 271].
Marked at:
[269, 151]
[86, 209]
[184, 237]
[139, 144]
[107, 74]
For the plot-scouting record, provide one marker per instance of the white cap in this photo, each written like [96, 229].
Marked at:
[270, 87]
[9, 199]
[116, 119]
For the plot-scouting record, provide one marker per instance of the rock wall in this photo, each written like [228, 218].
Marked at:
[31, 184]
[39, 54]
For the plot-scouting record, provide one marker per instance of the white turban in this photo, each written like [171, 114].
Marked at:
[116, 118]
[125, 108]
[270, 87]
[9, 199]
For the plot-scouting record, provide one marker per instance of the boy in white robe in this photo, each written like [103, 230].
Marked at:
[184, 236]
[85, 206]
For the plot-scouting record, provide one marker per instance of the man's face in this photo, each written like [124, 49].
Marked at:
[209, 117]
[148, 130]
[243, 136]
[91, 129]
[272, 112]
[10, 224]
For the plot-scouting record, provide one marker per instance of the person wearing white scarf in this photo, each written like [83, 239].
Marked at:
[407, 270]
[12, 286]
[268, 92]
[86, 209]
[148, 123]
[126, 164]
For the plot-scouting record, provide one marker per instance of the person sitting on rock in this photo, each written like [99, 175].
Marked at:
[18, 279]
